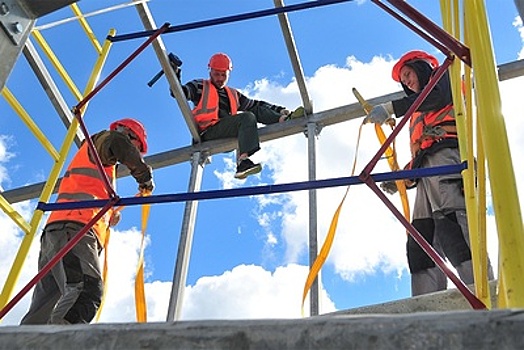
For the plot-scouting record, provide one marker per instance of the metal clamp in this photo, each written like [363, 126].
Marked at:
[14, 20]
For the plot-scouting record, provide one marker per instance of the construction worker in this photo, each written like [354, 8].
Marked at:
[439, 212]
[71, 292]
[222, 112]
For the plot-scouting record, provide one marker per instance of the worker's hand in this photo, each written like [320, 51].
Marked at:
[284, 112]
[115, 218]
[380, 113]
[389, 187]
[146, 187]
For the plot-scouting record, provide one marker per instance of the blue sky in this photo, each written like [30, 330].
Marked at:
[249, 255]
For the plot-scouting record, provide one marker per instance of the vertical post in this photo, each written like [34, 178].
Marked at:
[500, 168]
[186, 241]
[313, 248]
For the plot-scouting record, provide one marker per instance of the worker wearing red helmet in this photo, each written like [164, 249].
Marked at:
[439, 212]
[222, 112]
[71, 292]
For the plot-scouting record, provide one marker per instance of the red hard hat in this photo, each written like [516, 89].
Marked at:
[410, 56]
[221, 62]
[136, 127]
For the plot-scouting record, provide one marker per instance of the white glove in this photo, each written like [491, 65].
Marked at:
[284, 111]
[380, 113]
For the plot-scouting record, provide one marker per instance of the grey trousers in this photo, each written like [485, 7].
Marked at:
[71, 292]
[438, 198]
[244, 127]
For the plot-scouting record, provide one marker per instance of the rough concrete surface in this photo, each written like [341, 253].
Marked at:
[497, 329]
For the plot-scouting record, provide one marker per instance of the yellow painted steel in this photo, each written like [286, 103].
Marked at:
[87, 28]
[478, 183]
[451, 20]
[13, 102]
[56, 63]
[506, 204]
[47, 191]
[14, 215]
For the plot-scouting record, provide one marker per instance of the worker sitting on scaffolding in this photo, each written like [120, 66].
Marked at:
[222, 112]
[439, 213]
[71, 292]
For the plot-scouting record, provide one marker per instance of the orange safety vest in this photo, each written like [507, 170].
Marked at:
[82, 181]
[429, 127]
[206, 112]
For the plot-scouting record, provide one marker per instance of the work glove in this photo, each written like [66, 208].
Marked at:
[285, 111]
[115, 218]
[380, 113]
[146, 187]
[389, 187]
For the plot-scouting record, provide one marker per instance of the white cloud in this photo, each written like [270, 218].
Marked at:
[518, 24]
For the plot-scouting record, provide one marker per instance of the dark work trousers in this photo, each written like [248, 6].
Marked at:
[71, 292]
[244, 127]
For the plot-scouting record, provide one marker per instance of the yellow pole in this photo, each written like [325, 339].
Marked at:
[451, 19]
[506, 204]
[482, 289]
[22, 113]
[21, 255]
[87, 29]
[56, 63]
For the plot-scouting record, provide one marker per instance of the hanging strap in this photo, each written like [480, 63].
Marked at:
[140, 295]
[104, 274]
[140, 298]
[328, 242]
[401, 186]
[390, 153]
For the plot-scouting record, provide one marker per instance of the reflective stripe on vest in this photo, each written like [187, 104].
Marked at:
[82, 182]
[427, 127]
[206, 112]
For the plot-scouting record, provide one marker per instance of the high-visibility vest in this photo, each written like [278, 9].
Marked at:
[427, 128]
[206, 112]
[82, 181]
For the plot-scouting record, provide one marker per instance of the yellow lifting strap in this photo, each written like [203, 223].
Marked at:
[401, 186]
[390, 153]
[140, 295]
[140, 298]
[326, 246]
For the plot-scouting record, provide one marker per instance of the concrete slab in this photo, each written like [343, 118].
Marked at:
[447, 300]
[497, 329]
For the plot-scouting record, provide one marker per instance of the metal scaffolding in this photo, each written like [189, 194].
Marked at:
[492, 147]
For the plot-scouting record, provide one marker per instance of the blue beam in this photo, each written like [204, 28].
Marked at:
[257, 190]
[228, 19]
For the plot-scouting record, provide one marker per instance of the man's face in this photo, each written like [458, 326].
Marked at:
[409, 77]
[219, 78]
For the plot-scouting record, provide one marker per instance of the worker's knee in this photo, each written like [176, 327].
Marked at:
[85, 307]
[418, 260]
[452, 239]
[248, 118]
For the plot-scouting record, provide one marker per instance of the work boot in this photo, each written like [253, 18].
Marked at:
[428, 281]
[297, 113]
[465, 271]
[246, 167]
